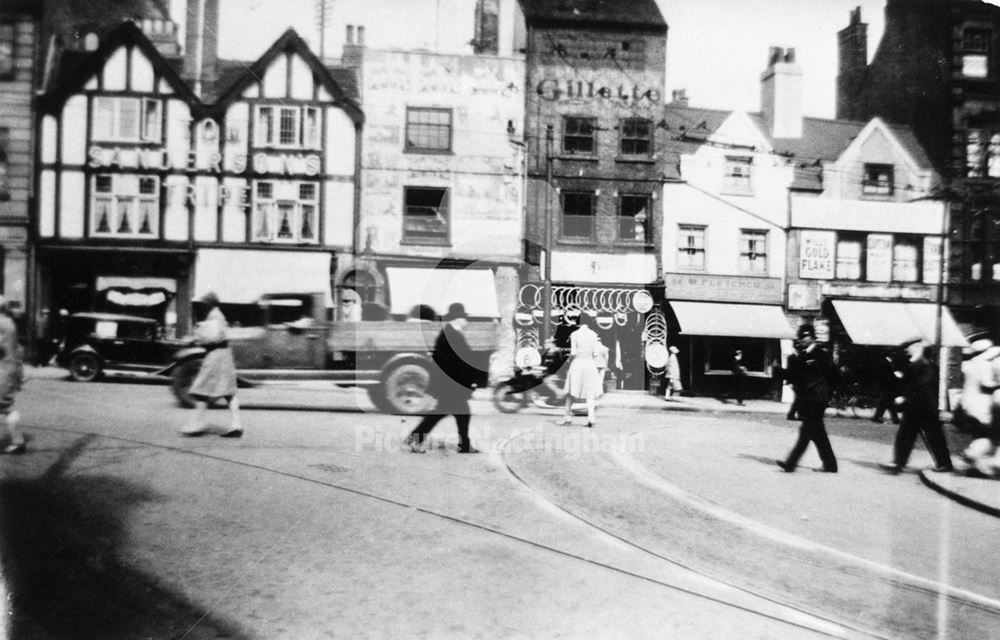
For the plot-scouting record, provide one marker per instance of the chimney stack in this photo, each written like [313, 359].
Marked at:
[201, 43]
[781, 94]
[852, 45]
[679, 98]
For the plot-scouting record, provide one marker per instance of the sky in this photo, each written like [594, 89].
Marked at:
[716, 49]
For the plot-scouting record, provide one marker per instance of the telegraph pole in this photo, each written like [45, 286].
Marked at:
[547, 242]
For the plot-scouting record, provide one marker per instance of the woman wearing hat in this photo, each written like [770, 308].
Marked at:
[217, 376]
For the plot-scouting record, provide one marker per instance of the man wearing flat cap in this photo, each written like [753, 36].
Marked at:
[452, 382]
[812, 374]
[918, 398]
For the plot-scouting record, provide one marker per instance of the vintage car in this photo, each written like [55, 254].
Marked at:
[97, 343]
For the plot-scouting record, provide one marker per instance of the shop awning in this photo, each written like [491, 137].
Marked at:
[890, 323]
[241, 276]
[438, 288]
[737, 320]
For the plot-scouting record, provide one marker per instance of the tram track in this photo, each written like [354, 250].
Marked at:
[825, 624]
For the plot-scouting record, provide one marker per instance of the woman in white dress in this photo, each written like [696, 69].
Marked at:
[217, 376]
[583, 379]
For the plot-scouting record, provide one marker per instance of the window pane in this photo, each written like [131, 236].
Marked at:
[579, 135]
[428, 129]
[877, 180]
[753, 252]
[151, 121]
[691, 248]
[265, 126]
[578, 215]
[425, 214]
[633, 218]
[128, 119]
[310, 128]
[288, 132]
[636, 137]
[308, 230]
[737, 176]
[104, 118]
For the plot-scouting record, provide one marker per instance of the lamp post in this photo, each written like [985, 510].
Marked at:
[939, 308]
[547, 241]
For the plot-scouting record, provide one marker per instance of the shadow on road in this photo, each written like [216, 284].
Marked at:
[60, 546]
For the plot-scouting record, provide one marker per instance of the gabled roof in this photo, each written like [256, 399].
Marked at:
[75, 68]
[822, 140]
[289, 42]
[636, 15]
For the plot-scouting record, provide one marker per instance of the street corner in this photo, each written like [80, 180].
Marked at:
[966, 487]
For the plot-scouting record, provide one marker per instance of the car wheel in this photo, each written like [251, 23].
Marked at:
[84, 367]
[182, 379]
[405, 389]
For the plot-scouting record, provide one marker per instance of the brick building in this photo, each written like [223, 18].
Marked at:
[20, 48]
[594, 94]
[937, 69]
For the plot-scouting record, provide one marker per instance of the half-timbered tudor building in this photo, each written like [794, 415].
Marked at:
[147, 197]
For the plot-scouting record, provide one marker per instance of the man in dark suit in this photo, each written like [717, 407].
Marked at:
[452, 382]
[812, 374]
[920, 412]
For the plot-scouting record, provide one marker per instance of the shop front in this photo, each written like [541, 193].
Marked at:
[629, 323]
[711, 317]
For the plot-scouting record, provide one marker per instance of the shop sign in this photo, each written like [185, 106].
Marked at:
[816, 254]
[909, 291]
[553, 90]
[165, 160]
[879, 258]
[693, 286]
[804, 297]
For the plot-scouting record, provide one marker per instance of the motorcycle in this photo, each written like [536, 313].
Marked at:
[535, 385]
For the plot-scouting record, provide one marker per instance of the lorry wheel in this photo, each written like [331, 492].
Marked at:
[182, 379]
[405, 389]
[84, 367]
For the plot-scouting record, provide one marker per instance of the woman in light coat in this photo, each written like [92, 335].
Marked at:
[217, 376]
[583, 380]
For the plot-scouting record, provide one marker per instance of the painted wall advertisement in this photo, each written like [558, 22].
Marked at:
[816, 254]
[879, 257]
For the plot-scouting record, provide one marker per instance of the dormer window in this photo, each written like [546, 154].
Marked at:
[975, 53]
[877, 180]
[737, 177]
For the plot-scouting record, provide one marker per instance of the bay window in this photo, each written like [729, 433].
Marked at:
[124, 119]
[285, 211]
[286, 126]
[125, 206]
